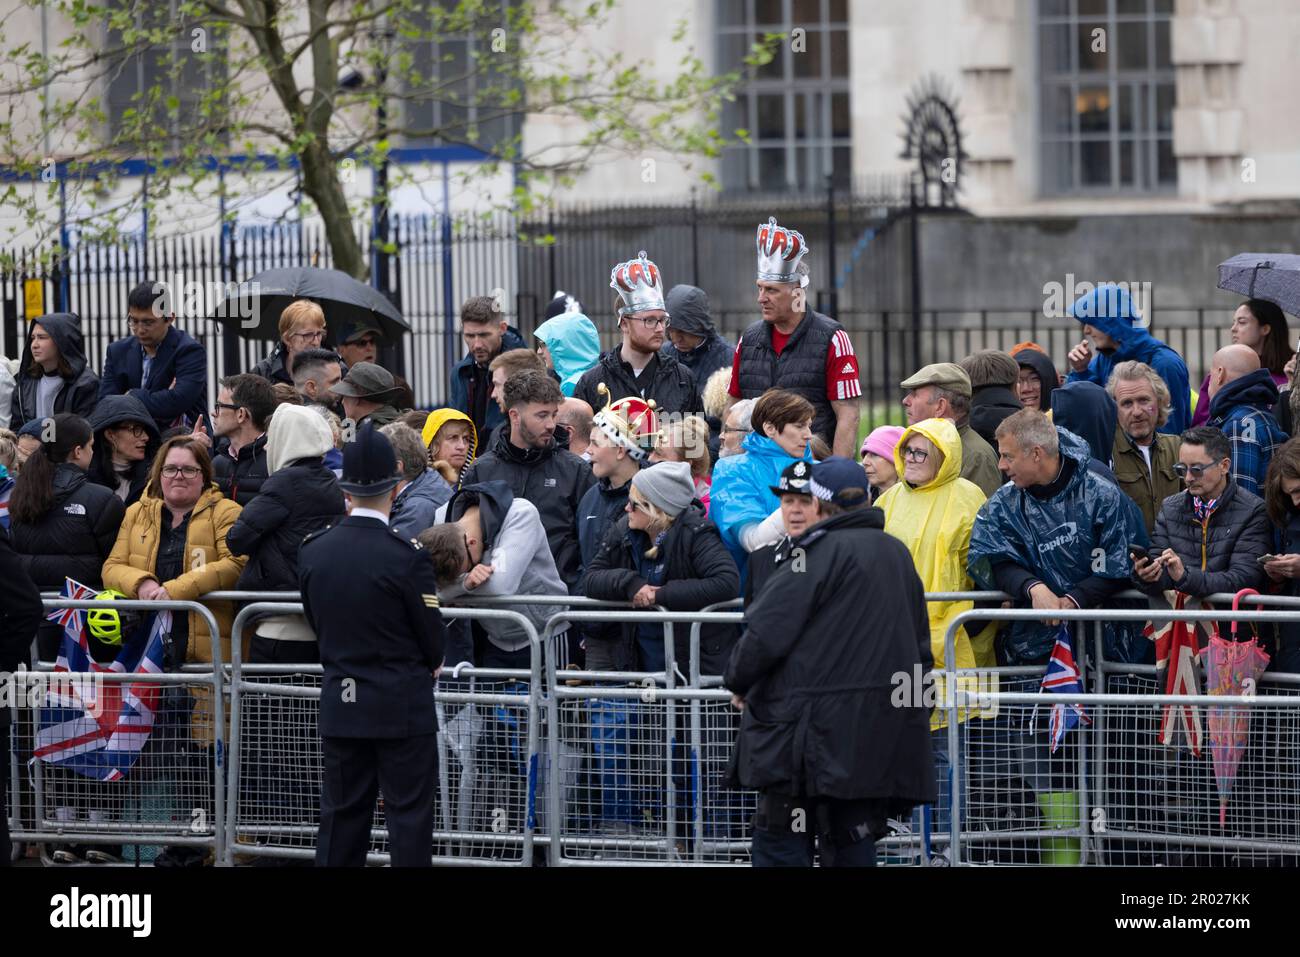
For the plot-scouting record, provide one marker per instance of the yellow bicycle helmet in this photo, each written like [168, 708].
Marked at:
[105, 624]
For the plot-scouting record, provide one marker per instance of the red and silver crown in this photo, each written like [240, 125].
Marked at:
[639, 284]
[779, 252]
[632, 423]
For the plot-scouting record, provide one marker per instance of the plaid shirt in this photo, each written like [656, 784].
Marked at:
[1254, 434]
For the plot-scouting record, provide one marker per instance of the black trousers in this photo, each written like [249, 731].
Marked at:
[356, 769]
[5, 849]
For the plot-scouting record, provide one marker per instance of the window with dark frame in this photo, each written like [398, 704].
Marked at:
[1106, 97]
[175, 69]
[796, 108]
[454, 69]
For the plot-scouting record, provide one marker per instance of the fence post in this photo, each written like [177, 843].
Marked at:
[832, 292]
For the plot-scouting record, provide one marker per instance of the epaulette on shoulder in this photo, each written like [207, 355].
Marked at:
[414, 543]
[317, 534]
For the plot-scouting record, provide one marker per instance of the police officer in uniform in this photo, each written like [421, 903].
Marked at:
[371, 598]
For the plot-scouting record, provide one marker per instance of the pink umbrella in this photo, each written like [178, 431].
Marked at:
[1230, 668]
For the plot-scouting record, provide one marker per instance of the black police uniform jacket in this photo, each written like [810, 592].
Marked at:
[21, 614]
[371, 598]
[816, 666]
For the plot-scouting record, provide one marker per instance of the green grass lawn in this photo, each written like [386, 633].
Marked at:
[876, 414]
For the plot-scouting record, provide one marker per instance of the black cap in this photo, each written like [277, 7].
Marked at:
[794, 479]
[369, 463]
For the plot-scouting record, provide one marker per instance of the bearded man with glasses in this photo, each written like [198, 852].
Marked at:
[636, 367]
[1210, 537]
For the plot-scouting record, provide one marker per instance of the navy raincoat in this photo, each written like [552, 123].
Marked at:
[1083, 531]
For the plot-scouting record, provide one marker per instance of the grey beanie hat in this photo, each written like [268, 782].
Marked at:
[666, 485]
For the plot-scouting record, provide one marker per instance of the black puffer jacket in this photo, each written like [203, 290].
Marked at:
[698, 572]
[816, 664]
[120, 410]
[76, 534]
[301, 498]
[240, 478]
[1237, 534]
[80, 390]
[673, 388]
[553, 479]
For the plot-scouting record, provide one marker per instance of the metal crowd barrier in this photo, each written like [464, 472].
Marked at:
[173, 793]
[633, 763]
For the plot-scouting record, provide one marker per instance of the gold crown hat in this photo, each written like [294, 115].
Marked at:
[780, 250]
[639, 284]
[632, 423]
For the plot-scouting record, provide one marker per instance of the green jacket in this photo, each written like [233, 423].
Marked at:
[1149, 487]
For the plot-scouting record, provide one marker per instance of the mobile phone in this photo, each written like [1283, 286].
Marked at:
[1136, 551]
[1265, 559]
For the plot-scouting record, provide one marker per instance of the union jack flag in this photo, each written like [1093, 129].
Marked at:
[98, 728]
[1062, 677]
[72, 617]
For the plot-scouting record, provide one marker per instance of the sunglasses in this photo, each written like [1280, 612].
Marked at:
[1196, 471]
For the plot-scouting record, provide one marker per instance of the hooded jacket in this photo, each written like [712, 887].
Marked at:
[742, 490]
[673, 387]
[74, 537]
[1220, 555]
[79, 392]
[934, 521]
[417, 504]
[177, 390]
[515, 545]
[988, 407]
[688, 310]
[240, 477]
[1202, 413]
[1079, 533]
[8, 386]
[299, 497]
[1109, 309]
[118, 410]
[464, 379]
[816, 668]
[1045, 369]
[552, 479]
[574, 345]
[1241, 411]
[698, 572]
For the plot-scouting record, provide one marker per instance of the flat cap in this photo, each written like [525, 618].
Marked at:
[365, 380]
[946, 375]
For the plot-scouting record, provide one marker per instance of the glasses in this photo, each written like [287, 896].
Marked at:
[176, 471]
[728, 428]
[225, 405]
[367, 341]
[915, 455]
[1196, 471]
[318, 335]
[650, 322]
[469, 555]
[142, 323]
[134, 430]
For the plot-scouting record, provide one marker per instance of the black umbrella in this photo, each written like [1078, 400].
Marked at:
[255, 305]
[1273, 276]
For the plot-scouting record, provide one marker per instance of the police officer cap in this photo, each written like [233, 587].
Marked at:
[833, 477]
[794, 479]
[369, 463]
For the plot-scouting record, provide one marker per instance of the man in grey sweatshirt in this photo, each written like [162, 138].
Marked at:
[497, 547]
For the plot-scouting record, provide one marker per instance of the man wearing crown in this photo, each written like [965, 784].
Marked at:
[796, 348]
[636, 367]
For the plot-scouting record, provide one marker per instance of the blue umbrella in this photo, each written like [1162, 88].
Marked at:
[1273, 276]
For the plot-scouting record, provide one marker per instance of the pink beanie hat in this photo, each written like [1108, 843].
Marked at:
[881, 441]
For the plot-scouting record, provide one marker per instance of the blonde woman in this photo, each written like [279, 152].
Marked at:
[302, 327]
[688, 441]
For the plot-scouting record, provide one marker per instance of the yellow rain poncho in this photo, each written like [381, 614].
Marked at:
[934, 522]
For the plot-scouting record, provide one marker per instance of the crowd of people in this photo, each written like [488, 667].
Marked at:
[673, 470]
